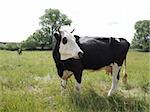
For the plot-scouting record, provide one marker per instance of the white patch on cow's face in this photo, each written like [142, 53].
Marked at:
[68, 46]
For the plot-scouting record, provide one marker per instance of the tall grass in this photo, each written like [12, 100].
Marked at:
[29, 83]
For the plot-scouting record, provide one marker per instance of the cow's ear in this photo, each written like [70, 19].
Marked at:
[56, 35]
[77, 38]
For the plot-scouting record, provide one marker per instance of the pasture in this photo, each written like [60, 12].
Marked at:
[29, 83]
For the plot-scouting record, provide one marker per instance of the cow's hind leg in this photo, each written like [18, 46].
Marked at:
[115, 78]
[124, 73]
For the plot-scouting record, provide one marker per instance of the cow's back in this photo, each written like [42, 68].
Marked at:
[96, 53]
[100, 52]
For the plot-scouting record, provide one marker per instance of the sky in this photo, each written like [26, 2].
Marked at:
[106, 18]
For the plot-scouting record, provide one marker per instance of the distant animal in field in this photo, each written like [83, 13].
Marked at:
[72, 54]
[19, 51]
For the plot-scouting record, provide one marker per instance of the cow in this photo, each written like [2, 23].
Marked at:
[72, 54]
[19, 51]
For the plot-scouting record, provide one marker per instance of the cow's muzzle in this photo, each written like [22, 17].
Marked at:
[80, 54]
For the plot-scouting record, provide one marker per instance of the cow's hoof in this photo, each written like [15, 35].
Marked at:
[109, 93]
[112, 91]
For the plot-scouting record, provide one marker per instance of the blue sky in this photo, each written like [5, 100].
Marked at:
[116, 18]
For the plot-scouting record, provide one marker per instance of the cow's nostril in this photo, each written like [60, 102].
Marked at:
[80, 54]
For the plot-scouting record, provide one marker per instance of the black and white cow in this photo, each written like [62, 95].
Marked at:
[73, 54]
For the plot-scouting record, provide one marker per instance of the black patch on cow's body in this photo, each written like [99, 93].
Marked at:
[98, 52]
[95, 54]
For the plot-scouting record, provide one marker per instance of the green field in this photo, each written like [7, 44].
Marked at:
[29, 83]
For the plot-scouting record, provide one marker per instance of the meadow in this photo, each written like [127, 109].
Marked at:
[29, 83]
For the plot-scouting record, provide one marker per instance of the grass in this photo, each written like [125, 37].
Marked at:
[29, 83]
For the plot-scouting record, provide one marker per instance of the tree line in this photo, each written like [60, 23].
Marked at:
[42, 39]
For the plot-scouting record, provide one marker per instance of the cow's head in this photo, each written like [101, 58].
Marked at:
[68, 48]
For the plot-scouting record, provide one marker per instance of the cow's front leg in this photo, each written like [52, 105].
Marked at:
[78, 77]
[63, 86]
[66, 75]
[78, 86]
[115, 78]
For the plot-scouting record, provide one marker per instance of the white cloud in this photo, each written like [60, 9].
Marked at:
[20, 18]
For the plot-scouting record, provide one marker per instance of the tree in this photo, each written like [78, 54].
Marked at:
[51, 20]
[40, 37]
[141, 38]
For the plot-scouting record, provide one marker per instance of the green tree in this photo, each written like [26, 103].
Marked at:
[51, 20]
[40, 38]
[141, 38]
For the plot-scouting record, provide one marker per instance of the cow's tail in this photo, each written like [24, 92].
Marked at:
[125, 73]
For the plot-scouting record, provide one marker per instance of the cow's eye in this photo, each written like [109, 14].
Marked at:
[64, 40]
